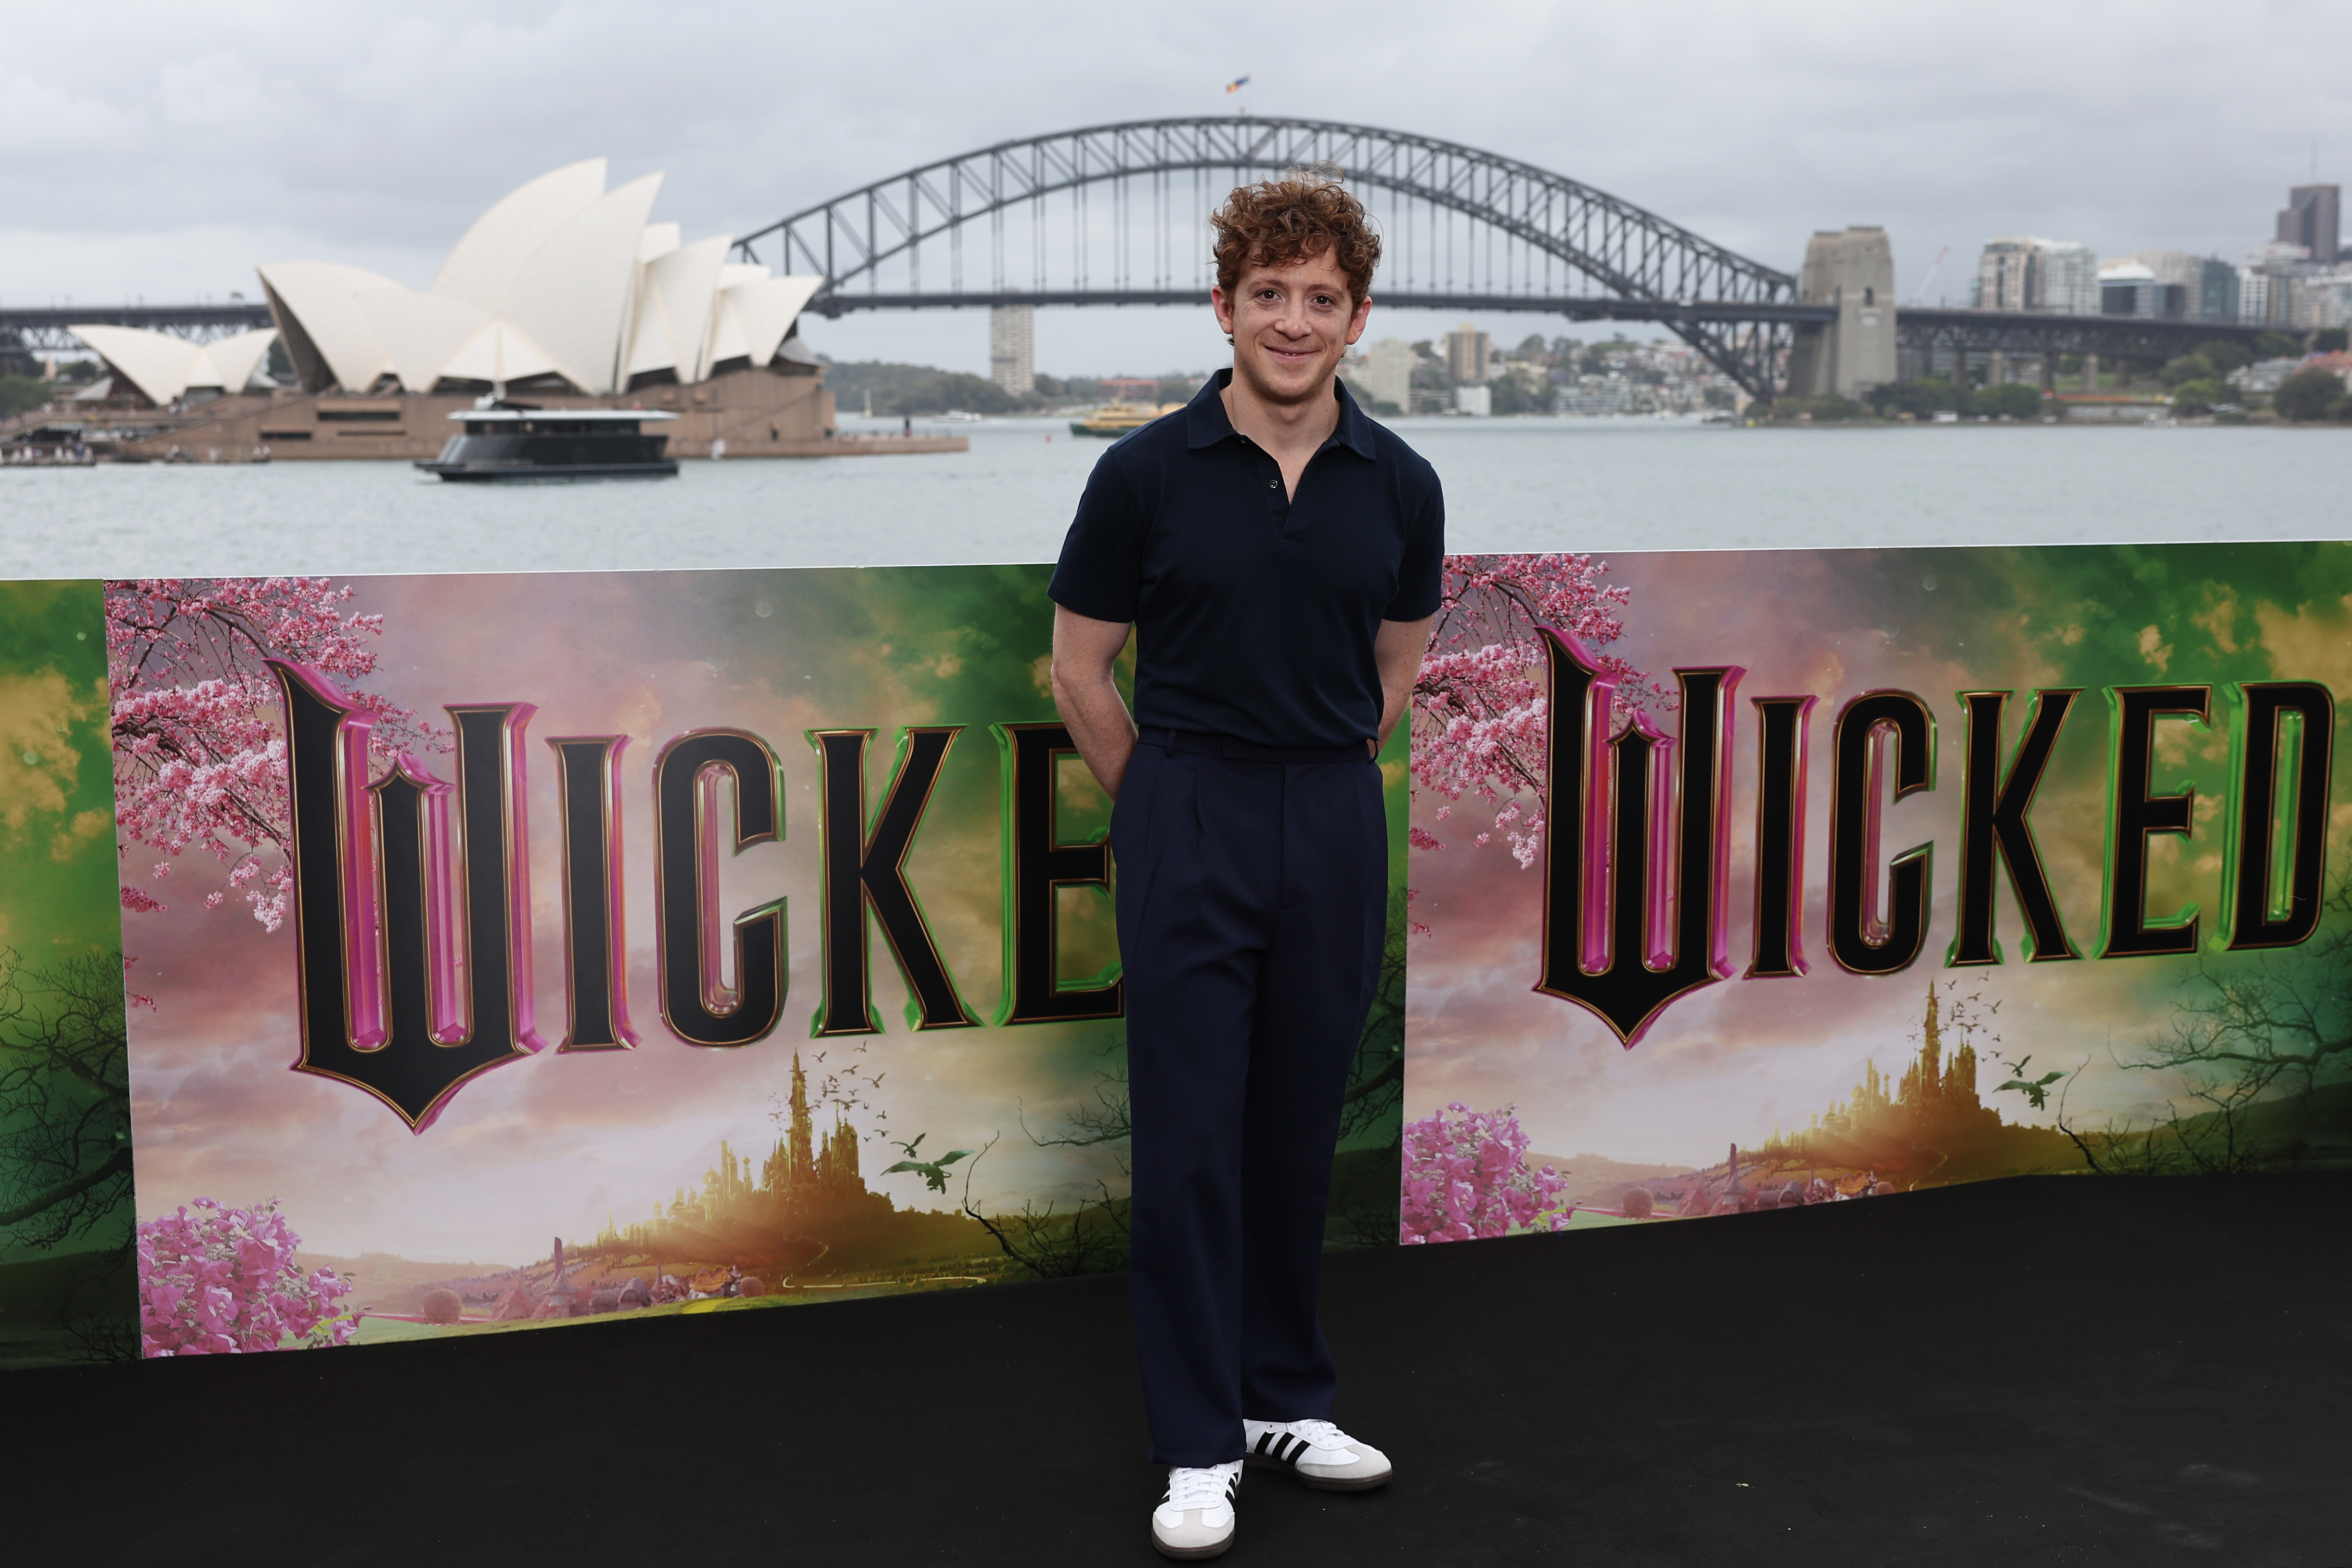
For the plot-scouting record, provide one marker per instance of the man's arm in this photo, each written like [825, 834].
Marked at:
[1084, 651]
[1397, 649]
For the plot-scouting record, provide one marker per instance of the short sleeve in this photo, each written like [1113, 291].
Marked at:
[1100, 573]
[1420, 575]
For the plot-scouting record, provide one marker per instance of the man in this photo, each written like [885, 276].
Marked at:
[1278, 555]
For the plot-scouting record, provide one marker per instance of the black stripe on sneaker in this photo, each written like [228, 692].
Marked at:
[1266, 1439]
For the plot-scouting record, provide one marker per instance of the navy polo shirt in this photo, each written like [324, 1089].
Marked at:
[1255, 614]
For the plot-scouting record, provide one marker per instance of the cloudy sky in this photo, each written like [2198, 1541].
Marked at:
[161, 151]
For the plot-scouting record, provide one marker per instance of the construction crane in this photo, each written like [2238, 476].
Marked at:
[1933, 268]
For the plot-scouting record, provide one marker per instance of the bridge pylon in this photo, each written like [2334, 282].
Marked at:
[1854, 271]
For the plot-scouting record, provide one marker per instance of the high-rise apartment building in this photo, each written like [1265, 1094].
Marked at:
[2206, 287]
[1469, 356]
[2070, 279]
[2311, 219]
[2268, 284]
[1383, 373]
[2025, 273]
[1012, 348]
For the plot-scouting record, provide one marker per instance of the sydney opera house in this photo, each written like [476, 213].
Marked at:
[563, 293]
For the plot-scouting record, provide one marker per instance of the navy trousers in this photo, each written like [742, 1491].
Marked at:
[1253, 888]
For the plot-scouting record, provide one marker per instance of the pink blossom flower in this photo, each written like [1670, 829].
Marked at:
[1467, 1179]
[1479, 719]
[200, 761]
[222, 1280]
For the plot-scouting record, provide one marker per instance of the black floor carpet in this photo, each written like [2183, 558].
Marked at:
[2044, 1371]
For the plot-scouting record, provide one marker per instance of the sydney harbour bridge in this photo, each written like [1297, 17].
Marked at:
[1118, 214]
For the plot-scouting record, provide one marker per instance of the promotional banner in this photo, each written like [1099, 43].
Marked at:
[1749, 879]
[508, 952]
[635, 943]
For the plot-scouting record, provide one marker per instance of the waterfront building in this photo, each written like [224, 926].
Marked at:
[2023, 272]
[1477, 402]
[2269, 284]
[2264, 375]
[165, 369]
[1532, 374]
[561, 285]
[1012, 348]
[1596, 395]
[2185, 287]
[1383, 373]
[2322, 297]
[2311, 220]
[1469, 356]
[562, 294]
[2133, 289]
[2208, 285]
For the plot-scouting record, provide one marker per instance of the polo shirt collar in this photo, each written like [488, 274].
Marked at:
[1206, 421]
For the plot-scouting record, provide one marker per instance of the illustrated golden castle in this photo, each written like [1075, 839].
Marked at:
[790, 1167]
[800, 1171]
[1934, 1090]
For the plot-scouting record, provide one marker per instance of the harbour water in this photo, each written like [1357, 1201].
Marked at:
[1603, 485]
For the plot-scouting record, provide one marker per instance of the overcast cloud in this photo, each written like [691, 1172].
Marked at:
[162, 151]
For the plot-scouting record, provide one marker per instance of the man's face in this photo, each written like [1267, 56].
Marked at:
[1289, 325]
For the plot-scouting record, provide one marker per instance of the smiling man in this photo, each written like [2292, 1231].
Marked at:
[1278, 556]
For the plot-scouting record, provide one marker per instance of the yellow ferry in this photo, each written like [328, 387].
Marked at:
[1118, 418]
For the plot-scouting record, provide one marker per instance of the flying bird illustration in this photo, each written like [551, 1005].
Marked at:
[934, 1174]
[2036, 1090]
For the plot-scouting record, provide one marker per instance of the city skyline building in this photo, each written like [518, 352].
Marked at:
[2268, 283]
[1382, 372]
[2025, 272]
[2131, 288]
[2207, 285]
[1012, 348]
[2311, 219]
[1469, 356]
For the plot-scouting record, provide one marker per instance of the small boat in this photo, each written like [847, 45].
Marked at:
[1118, 418]
[503, 440]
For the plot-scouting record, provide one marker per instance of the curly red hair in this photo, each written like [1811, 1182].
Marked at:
[1297, 217]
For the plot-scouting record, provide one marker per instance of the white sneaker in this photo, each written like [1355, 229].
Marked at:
[1196, 1518]
[1324, 1456]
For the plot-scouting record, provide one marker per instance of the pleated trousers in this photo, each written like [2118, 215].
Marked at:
[1252, 890]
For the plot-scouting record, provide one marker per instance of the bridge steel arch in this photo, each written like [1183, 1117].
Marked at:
[1737, 312]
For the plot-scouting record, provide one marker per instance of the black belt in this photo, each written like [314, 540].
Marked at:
[1242, 751]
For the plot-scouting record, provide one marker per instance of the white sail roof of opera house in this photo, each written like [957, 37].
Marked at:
[562, 277]
[164, 368]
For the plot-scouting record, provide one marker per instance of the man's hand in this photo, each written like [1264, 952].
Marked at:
[1397, 649]
[1088, 699]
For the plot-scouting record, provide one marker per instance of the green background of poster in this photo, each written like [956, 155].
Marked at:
[65, 1283]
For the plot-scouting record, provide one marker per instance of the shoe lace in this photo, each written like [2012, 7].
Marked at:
[1191, 1487]
[1320, 1433]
